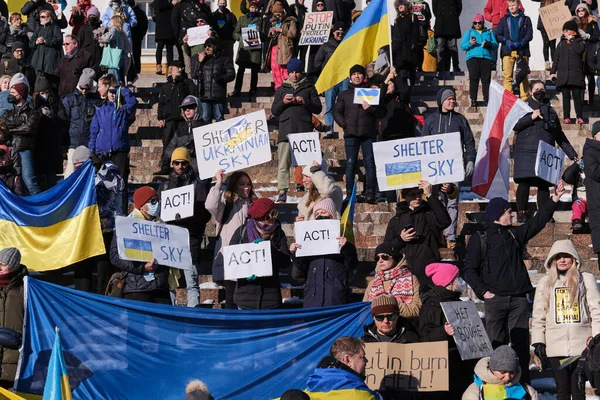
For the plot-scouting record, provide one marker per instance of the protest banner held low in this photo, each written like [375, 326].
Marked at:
[403, 163]
[177, 201]
[243, 260]
[251, 38]
[367, 95]
[469, 333]
[305, 147]
[549, 162]
[233, 144]
[415, 367]
[318, 237]
[140, 240]
[553, 17]
[316, 28]
[198, 35]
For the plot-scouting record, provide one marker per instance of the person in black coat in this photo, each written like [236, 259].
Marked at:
[416, 227]
[164, 34]
[590, 33]
[568, 70]
[405, 41]
[185, 15]
[541, 124]
[447, 30]
[224, 25]
[137, 37]
[17, 64]
[32, 10]
[591, 169]
[87, 42]
[17, 32]
[262, 293]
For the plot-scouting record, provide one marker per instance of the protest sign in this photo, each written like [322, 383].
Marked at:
[367, 95]
[242, 260]
[549, 162]
[316, 28]
[415, 367]
[233, 144]
[177, 201]
[318, 237]
[305, 148]
[553, 18]
[141, 240]
[469, 333]
[250, 38]
[198, 35]
[403, 163]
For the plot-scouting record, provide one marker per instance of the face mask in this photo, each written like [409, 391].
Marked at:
[153, 209]
[222, 8]
[322, 217]
[12, 99]
[540, 95]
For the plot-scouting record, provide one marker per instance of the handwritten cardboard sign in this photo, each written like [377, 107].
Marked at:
[177, 201]
[549, 162]
[553, 18]
[242, 260]
[318, 237]
[316, 28]
[415, 367]
[305, 148]
[469, 333]
[367, 95]
[233, 144]
[403, 163]
[140, 240]
[250, 38]
[198, 35]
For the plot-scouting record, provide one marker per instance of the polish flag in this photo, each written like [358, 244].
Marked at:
[492, 165]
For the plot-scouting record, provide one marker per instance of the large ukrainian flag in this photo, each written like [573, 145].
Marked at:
[370, 32]
[56, 228]
[57, 380]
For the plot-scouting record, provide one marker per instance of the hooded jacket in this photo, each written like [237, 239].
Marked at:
[405, 333]
[327, 189]
[591, 167]
[483, 375]
[184, 137]
[447, 122]
[295, 118]
[356, 121]
[331, 376]
[109, 131]
[565, 332]
[503, 34]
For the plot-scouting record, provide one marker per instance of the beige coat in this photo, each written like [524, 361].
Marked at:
[565, 339]
[482, 370]
[407, 310]
[327, 188]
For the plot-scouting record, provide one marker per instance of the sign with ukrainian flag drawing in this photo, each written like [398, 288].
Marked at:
[367, 95]
[140, 240]
[403, 163]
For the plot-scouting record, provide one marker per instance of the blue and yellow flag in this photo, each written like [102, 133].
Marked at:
[56, 228]
[57, 380]
[8, 395]
[370, 32]
[347, 220]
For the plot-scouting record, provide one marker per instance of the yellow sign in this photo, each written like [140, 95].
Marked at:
[565, 313]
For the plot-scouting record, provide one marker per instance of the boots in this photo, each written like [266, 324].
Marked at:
[159, 70]
[577, 226]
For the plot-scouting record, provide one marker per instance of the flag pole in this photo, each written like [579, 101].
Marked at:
[390, 23]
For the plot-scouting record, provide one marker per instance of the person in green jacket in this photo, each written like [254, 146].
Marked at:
[249, 53]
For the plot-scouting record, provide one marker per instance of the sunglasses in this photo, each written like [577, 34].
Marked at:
[82, 88]
[201, 21]
[114, 91]
[178, 163]
[384, 257]
[582, 9]
[67, 43]
[189, 107]
[477, 23]
[44, 17]
[382, 317]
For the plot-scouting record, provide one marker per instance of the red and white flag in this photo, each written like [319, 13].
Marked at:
[492, 165]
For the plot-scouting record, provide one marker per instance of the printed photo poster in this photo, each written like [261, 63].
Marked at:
[317, 26]
[251, 38]
[565, 312]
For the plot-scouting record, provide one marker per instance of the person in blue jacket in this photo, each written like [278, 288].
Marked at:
[109, 131]
[480, 44]
[118, 7]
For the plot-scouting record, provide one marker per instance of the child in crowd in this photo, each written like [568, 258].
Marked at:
[574, 176]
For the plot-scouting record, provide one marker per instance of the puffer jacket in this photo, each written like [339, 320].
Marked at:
[184, 137]
[405, 40]
[213, 74]
[356, 121]
[12, 313]
[80, 110]
[568, 64]
[477, 50]
[405, 333]
[485, 375]
[327, 189]
[565, 335]
[171, 96]
[109, 131]
[325, 52]
[45, 56]
[22, 123]
[129, 21]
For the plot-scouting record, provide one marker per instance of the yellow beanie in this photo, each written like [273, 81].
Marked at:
[181, 153]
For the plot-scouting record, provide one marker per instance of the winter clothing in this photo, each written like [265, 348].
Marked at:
[142, 195]
[109, 131]
[22, 123]
[405, 41]
[285, 40]
[81, 155]
[247, 57]
[591, 168]
[184, 16]
[405, 333]
[441, 274]
[46, 55]
[496, 207]
[514, 41]
[80, 110]
[172, 95]
[10, 177]
[504, 358]
[261, 207]
[197, 390]
[181, 153]
[353, 118]
[325, 52]
[332, 376]
[328, 206]
[89, 44]
[568, 62]
[446, 14]
[572, 4]
[327, 189]
[384, 303]
[117, 39]
[213, 74]
[12, 312]
[129, 18]
[184, 137]
[224, 24]
[11, 256]
[13, 67]
[53, 127]
[69, 70]
[478, 50]
[389, 249]
[494, 10]
[32, 10]
[484, 376]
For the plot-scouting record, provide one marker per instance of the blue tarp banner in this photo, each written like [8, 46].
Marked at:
[121, 349]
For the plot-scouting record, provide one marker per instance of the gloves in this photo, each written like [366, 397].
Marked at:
[487, 45]
[177, 217]
[509, 44]
[252, 277]
[519, 45]
[540, 352]
[257, 241]
[469, 168]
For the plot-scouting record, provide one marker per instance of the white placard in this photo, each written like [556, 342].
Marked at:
[233, 144]
[177, 201]
[549, 162]
[140, 240]
[305, 148]
[251, 38]
[316, 28]
[243, 260]
[198, 35]
[469, 333]
[318, 237]
[367, 95]
[403, 163]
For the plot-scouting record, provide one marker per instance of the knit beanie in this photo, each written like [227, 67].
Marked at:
[81, 154]
[358, 68]
[496, 207]
[389, 249]
[595, 128]
[211, 41]
[17, 45]
[295, 65]
[445, 93]
[19, 78]
[142, 195]
[93, 10]
[504, 358]
[384, 303]
[584, 6]
[327, 205]
[197, 390]
[261, 207]
[277, 8]
[21, 88]
[339, 25]
[87, 78]
[181, 153]
[295, 394]
[11, 256]
[478, 18]
[570, 25]
[441, 274]
[41, 84]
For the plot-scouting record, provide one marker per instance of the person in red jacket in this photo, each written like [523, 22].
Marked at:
[78, 15]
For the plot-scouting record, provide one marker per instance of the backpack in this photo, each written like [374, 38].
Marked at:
[116, 284]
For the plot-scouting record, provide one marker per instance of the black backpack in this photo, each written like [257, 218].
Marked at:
[589, 363]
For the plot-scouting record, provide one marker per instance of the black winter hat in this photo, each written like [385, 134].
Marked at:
[570, 25]
[595, 128]
[41, 84]
[389, 249]
[358, 68]
[337, 26]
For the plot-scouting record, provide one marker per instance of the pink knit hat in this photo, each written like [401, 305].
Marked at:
[478, 18]
[326, 205]
[441, 274]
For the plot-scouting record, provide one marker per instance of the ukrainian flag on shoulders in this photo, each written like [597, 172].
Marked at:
[56, 228]
[57, 380]
[362, 42]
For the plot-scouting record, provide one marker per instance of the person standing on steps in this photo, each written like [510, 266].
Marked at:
[447, 31]
[549, 46]
[493, 11]
[319, 186]
[590, 33]
[591, 169]
[164, 35]
[185, 15]
[282, 37]
[572, 4]
[406, 43]
[494, 268]
[225, 23]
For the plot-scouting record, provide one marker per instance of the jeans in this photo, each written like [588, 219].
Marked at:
[212, 110]
[508, 66]
[566, 381]
[28, 172]
[452, 208]
[193, 289]
[330, 96]
[352, 145]
[507, 321]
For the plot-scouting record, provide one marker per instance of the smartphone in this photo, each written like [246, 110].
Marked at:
[289, 96]
[408, 227]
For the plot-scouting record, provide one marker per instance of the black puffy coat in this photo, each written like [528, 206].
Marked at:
[164, 10]
[213, 74]
[502, 32]
[324, 53]
[405, 41]
[184, 16]
[171, 96]
[264, 292]
[23, 125]
[405, 332]
[225, 23]
[326, 276]
[342, 10]
[4, 39]
[568, 64]
[52, 132]
[80, 110]
[356, 121]
[447, 13]
[32, 10]
[184, 137]
[528, 135]
[295, 118]
[592, 48]
[591, 168]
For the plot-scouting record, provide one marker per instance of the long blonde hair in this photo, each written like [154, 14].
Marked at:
[117, 22]
[573, 277]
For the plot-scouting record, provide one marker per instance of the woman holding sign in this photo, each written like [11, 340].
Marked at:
[566, 312]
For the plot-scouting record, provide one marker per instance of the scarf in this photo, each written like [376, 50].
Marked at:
[255, 231]
[401, 286]
[5, 279]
